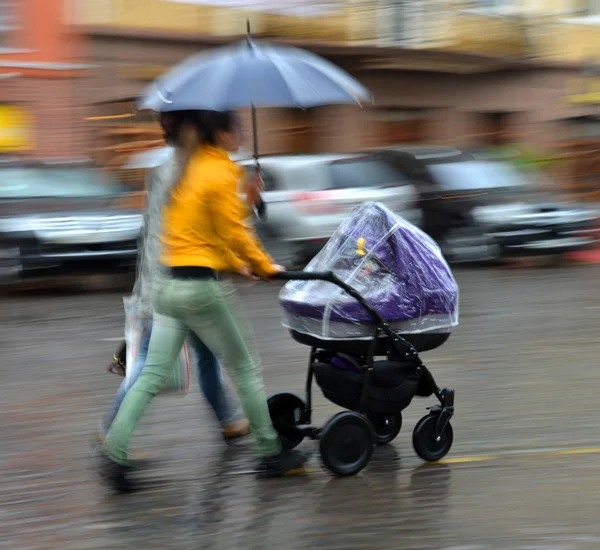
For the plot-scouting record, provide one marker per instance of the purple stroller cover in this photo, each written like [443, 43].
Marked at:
[393, 264]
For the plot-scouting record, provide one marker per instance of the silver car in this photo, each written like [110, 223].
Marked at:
[63, 219]
[308, 196]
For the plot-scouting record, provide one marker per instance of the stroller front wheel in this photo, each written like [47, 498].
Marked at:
[346, 443]
[287, 411]
[429, 443]
[385, 426]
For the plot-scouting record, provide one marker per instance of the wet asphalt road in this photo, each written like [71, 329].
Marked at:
[523, 472]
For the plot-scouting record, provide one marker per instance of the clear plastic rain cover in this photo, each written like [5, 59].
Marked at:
[390, 262]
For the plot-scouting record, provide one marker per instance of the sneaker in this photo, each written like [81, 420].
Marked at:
[138, 461]
[241, 428]
[102, 431]
[114, 475]
[284, 463]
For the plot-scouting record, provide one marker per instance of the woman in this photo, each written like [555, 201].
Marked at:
[203, 234]
[159, 185]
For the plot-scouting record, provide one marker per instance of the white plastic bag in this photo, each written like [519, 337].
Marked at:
[135, 326]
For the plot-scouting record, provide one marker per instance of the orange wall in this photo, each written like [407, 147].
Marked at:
[44, 29]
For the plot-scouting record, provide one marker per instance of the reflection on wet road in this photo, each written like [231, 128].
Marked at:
[522, 473]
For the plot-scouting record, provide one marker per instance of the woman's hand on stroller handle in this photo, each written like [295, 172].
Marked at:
[276, 270]
[245, 271]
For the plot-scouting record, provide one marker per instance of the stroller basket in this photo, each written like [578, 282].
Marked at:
[391, 390]
[360, 348]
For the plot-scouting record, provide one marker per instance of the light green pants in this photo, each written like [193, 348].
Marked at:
[202, 307]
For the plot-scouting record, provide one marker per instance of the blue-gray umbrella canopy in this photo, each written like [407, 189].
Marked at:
[253, 75]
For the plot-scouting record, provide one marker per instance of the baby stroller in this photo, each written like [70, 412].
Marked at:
[395, 298]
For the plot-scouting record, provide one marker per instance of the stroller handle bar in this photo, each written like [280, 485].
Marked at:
[327, 276]
[330, 277]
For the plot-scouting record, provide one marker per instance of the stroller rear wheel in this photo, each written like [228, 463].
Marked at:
[385, 426]
[346, 443]
[287, 410]
[430, 445]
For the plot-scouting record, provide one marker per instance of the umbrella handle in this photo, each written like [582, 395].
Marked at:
[255, 139]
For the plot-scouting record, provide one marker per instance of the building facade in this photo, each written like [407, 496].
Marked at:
[464, 73]
[42, 70]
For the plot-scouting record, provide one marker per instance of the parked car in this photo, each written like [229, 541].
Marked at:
[487, 209]
[308, 196]
[62, 218]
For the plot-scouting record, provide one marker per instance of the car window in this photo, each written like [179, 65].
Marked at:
[471, 175]
[25, 183]
[364, 172]
[270, 181]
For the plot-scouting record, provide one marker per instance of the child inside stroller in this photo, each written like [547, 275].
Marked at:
[395, 297]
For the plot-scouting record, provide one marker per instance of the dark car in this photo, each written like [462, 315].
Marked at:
[57, 219]
[485, 209]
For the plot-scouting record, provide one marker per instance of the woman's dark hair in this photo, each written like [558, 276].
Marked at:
[209, 123]
[206, 123]
[171, 124]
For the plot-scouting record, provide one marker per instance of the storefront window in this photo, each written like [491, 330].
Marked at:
[7, 21]
[492, 7]
[15, 129]
[490, 4]
[399, 126]
[401, 21]
[585, 128]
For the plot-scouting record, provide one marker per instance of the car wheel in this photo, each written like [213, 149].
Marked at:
[469, 245]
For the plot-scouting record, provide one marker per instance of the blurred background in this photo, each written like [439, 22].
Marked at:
[500, 82]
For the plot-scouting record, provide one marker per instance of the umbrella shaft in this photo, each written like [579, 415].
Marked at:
[255, 137]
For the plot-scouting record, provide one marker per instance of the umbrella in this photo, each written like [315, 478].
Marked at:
[253, 75]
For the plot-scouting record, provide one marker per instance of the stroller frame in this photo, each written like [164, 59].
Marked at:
[429, 431]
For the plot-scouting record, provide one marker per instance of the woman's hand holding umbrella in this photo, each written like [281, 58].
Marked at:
[254, 187]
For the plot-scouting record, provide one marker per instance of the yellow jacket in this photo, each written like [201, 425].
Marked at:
[203, 220]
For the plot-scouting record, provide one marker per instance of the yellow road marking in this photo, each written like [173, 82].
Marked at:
[499, 456]
[463, 459]
[484, 458]
[521, 454]
[533, 453]
[582, 451]
[301, 471]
